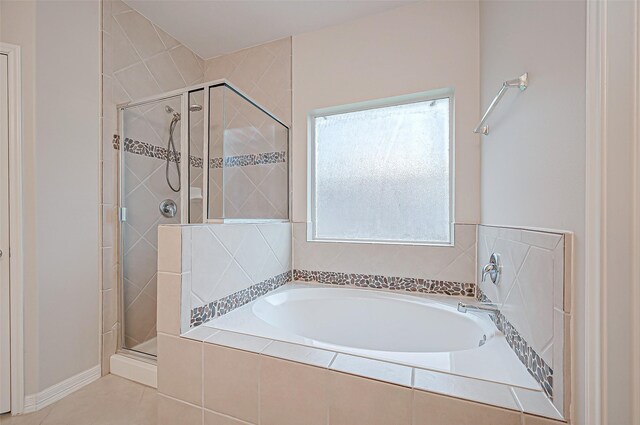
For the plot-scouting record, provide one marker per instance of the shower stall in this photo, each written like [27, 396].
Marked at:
[207, 153]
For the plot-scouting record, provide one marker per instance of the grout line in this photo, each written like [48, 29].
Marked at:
[517, 400]
[333, 359]
[202, 378]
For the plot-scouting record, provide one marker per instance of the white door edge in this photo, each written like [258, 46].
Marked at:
[15, 260]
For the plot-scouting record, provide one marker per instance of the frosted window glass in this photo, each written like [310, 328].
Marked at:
[383, 174]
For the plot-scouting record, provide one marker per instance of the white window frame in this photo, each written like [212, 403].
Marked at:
[376, 104]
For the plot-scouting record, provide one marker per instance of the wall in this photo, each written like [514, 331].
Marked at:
[533, 160]
[60, 54]
[401, 51]
[139, 60]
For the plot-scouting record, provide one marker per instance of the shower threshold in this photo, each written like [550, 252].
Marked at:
[135, 367]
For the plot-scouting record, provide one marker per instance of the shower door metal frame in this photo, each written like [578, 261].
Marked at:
[185, 197]
[122, 349]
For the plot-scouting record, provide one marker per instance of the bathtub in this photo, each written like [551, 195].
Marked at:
[414, 330]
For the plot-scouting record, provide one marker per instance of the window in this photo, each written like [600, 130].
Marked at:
[382, 172]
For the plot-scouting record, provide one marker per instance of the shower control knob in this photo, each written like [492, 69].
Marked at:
[0, 253]
[168, 208]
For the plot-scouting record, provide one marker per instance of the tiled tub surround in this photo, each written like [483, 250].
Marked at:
[410, 329]
[229, 265]
[216, 376]
[217, 308]
[233, 388]
[536, 366]
[533, 296]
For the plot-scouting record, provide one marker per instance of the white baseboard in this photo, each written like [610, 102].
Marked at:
[58, 391]
[135, 370]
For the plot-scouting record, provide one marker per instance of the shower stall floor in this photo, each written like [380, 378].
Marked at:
[148, 347]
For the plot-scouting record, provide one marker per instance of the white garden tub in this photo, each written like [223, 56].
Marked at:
[415, 330]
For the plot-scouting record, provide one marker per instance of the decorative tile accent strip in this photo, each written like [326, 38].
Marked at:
[217, 308]
[147, 149]
[152, 151]
[411, 284]
[195, 161]
[255, 159]
[536, 366]
[215, 163]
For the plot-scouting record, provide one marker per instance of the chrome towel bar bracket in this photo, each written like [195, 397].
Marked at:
[521, 83]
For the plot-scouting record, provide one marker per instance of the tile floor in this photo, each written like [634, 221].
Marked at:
[108, 401]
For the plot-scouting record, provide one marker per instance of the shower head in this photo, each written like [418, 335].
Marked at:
[193, 108]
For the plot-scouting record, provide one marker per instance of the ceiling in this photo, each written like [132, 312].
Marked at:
[213, 28]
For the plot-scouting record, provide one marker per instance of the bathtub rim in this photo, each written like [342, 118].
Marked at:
[523, 399]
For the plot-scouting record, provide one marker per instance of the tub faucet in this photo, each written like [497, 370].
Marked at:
[488, 308]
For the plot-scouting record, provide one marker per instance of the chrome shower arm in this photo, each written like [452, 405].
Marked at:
[521, 83]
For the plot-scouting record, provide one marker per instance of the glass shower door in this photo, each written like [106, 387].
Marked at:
[150, 193]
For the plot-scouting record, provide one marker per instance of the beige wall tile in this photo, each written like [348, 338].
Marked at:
[231, 382]
[432, 409]
[140, 33]
[109, 309]
[169, 286]
[536, 420]
[263, 72]
[361, 401]
[292, 393]
[172, 412]
[180, 368]
[228, 258]
[212, 418]
[109, 346]
[455, 264]
[169, 249]
[165, 72]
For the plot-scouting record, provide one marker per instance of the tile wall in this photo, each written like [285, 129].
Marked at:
[229, 265]
[455, 264]
[138, 60]
[533, 295]
[263, 72]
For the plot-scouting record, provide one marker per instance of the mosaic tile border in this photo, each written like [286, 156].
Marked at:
[411, 284]
[536, 366]
[217, 308]
[152, 151]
